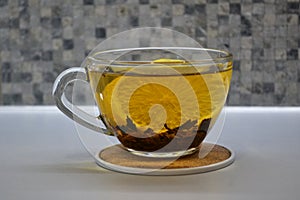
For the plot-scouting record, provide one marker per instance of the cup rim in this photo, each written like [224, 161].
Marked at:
[226, 55]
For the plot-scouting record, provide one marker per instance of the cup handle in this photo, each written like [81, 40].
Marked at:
[69, 109]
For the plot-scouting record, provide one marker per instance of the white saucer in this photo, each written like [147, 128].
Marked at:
[113, 152]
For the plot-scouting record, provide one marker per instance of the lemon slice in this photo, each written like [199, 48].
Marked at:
[152, 101]
[168, 61]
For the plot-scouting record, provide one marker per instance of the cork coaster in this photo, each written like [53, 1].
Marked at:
[218, 157]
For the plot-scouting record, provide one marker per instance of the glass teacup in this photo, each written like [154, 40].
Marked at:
[158, 101]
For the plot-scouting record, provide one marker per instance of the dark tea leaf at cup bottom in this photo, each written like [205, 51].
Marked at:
[186, 136]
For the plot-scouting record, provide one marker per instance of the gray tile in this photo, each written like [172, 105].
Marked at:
[292, 31]
[246, 54]
[246, 42]
[258, 8]
[233, 99]
[270, 8]
[269, 54]
[280, 54]
[269, 19]
[223, 8]
[177, 9]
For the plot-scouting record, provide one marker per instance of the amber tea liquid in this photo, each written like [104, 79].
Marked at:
[168, 111]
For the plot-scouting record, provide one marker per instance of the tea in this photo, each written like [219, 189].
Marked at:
[163, 109]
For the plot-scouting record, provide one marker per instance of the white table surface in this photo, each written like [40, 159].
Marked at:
[41, 157]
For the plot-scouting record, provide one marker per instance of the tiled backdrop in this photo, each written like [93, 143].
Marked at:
[40, 38]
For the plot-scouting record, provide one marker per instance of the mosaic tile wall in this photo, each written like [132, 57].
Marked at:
[41, 38]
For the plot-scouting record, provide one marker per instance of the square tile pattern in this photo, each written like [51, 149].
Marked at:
[41, 38]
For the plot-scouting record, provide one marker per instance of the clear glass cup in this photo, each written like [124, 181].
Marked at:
[157, 101]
